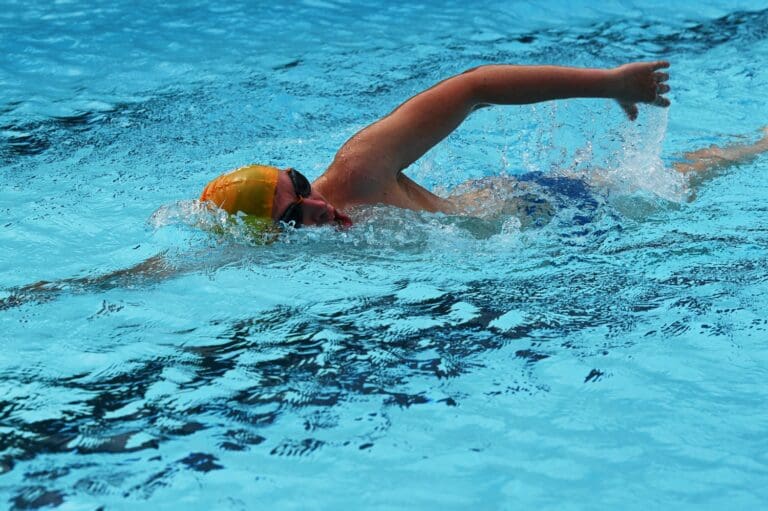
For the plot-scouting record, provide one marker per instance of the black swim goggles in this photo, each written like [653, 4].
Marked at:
[295, 213]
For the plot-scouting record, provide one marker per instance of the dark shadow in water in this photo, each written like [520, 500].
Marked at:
[746, 27]
[34, 138]
[373, 354]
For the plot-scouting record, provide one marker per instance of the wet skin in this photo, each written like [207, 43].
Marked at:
[316, 209]
[368, 167]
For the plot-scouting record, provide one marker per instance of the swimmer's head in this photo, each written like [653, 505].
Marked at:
[269, 194]
[250, 189]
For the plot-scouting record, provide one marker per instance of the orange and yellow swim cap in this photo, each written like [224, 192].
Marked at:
[250, 189]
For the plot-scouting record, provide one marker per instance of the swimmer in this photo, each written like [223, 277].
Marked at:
[368, 169]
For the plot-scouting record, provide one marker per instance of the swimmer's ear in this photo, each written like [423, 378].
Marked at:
[630, 109]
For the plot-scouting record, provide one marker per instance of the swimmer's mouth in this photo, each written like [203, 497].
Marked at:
[342, 221]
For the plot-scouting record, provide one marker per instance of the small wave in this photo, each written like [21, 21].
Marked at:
[640, 167]
[215, 221]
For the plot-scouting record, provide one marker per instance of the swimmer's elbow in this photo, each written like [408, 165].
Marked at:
[472, 87]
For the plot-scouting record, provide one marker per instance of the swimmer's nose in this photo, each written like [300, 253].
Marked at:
[317, 212]
[330, 213]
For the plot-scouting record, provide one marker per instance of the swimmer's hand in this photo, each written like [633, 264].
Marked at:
[641, 82]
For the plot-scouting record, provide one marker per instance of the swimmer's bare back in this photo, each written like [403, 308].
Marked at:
[367, 169]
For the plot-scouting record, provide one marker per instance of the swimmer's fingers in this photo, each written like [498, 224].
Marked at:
[630, 109]
[661, 88]
[660, 100]
[642, 82]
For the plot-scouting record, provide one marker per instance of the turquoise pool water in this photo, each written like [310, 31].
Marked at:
[613, 356]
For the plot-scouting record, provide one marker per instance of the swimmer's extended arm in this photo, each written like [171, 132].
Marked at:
[399, 139]
[149, 271]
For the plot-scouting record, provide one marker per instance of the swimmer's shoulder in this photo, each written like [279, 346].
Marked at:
[355, 181]
[352, 179]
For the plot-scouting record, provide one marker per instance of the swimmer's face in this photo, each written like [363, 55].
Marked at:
[296, 201]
